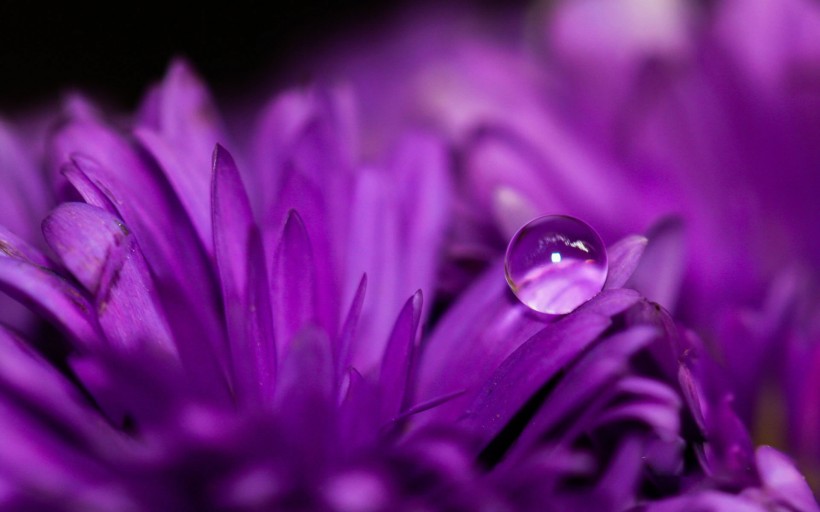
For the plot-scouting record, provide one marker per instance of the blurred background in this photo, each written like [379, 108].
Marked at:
[114, 52]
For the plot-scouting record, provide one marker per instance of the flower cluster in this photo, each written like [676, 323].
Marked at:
[311, 314]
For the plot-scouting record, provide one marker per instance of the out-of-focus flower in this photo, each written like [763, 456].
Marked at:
[632, 114]
[246, 333]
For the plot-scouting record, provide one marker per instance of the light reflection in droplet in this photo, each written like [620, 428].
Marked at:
[555, 263]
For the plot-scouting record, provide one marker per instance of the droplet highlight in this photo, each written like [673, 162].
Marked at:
[555, 263]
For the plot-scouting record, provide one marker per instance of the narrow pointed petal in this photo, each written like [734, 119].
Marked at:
[373, 247]
[293, 282]
[660, 272]
[421, 169]
[181, 135]
[348, 331]
[259, 322]
[103, 255]
[299, 193]
[358, 412]
[232, 221]
[531, 366]
[592, 377]
[624, 258]
[238, 253]
[87, 189]
[483, 328]
[398, 359]
[311, 130]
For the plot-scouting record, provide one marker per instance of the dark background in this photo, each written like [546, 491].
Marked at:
[114, 51]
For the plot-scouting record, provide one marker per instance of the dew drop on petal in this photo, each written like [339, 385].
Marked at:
[555, 263]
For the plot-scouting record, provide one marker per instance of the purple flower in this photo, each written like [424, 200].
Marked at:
[636, 116]
[287, 321]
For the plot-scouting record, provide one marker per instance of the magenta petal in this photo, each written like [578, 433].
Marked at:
[359, 412]
[242, 267]
[36, 383]
[181, 135]
[103, 255]
[592, 377]
[624, 258]
[373, 247]
[15, 247]
[143, 200]
[308, 354]
[421, 171]
[49, 295]
[310, 130]
[530, 367]
[259, 322]
[87, 189]
[232, 221]
[84, 237]
[305, 403]
[783, 482]
[351, 322]
[483, 328]
[660, 272]
[398, 361]
[293, 282]
[301, 194]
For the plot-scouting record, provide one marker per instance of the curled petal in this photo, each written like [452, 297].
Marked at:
[624, 258]
[103, 255]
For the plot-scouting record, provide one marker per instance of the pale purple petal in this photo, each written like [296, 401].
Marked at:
[624, 257]
[103, 255]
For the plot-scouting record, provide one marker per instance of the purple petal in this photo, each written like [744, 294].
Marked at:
[469, 343]
[592, 377]
[531, 366]
[299, 193]
[103, 255]
[87, 189]
[242, 270]
[185, 129]
[144, 202]
[293, 282]
[232, 223]
[421, 172]
[783, 482]
[313, 131]
[398, 361]
[305, 402]
[624, 258]
[258, 321]
[373, 247]
[351, 322]
[660, 272]
[358, 412]
[39, 386]
[48, 294]
[15, 247]
[706, 501]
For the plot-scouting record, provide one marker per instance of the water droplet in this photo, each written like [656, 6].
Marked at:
[555, 263]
